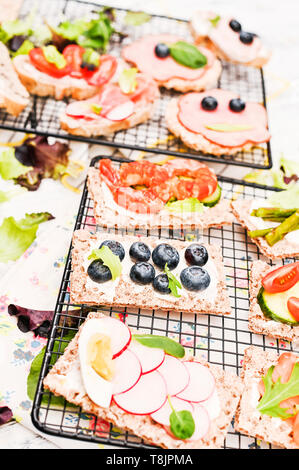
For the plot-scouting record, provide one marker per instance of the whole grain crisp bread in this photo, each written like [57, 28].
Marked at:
[110, 214]
[65, 379]
[248, 419]
[282, 249]
[129, 294]
[257, 321]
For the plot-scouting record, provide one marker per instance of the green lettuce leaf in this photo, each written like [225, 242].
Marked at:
[136, 18]
[10, 167]
[17, 236]
[214, 21]
[277, 392]
[72, 29]
[190, 204]
[54, 57]
[127, 80]
[17, 27]
[7, 195]
[288, 199]
[24, 49]
[109, 259]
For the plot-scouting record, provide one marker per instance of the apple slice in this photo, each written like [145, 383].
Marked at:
[162, 415]
[175, 374]
[202, 424]
[146, 397]
[150, 358]
[121, 112]
[127, 372]
[201, 384]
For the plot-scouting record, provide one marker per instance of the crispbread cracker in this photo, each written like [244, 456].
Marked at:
[65, 379]
[250, 421]
[257, 322]
[115, 216]
[282, 249]
[127, 293]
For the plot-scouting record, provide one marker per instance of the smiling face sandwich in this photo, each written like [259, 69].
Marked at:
[146, 385]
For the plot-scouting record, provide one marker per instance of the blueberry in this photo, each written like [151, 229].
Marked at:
[237, 105]
[116, 248]
[162, 51]
[142, 273]
[235, 26]
[246, 38]
[161, 284]
[196, 255]
[209, 103]
[98, 272]
[140, 252]
[195, 278]
[165, 253]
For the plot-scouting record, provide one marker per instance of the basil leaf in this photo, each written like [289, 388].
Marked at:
[191, 204]
[187, 54]
[54, 57]
[127, 80]
[109, 259]
[136, 18]
[228, 127]
[182, 423]
[214, 21]
[96, 108]
[170, 346]
[173, 283]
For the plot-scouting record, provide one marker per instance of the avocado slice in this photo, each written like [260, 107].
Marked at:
[275, 306]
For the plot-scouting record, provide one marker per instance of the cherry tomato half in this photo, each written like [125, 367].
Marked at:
[281, 279]
[106, 70]
[39, 61]
[293, 307]
[73, 56]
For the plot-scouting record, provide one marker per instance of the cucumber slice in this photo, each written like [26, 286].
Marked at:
[275, 306]
[213, 199]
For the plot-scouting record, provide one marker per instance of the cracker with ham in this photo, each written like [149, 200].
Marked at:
[284, 248]
[126, 293]
[166, 71]
[214, 31]
[257, 321]
[65, 379]
[220, 131]
[248, 419]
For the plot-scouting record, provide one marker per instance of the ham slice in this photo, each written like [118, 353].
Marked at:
[142, 54]
[194, 118]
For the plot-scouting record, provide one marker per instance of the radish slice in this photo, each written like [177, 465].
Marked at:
[118, 332]
[162, 415]
[201, 385]
[146, 397]
[80, 109]
[150, 358]
[127, 372]
[121, 112]
[202, 424]
[175, 374]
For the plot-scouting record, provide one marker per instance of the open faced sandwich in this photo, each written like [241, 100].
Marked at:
[119, 105]
[152, 274]
[274, 300]
[77, 72]
[174, 63]
[226, 37]
[217, 122]
[178, 193]
[268, 408]
[146, 385]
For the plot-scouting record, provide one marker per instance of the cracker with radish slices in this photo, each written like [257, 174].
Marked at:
[124, 292]
[142, 407]
[248, 419]
[257, 321]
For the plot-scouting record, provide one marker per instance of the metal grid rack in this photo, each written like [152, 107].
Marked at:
[219, 339]
[41, 116]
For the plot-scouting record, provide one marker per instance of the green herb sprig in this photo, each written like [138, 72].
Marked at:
[109, 259]
[168, 345]
[173, 283]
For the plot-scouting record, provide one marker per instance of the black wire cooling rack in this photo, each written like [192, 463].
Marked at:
[219, 339]
[41, 116]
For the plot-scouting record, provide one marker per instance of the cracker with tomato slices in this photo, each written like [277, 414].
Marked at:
[284, 248]
[64, 380]
[123, 292]
[257, 321]
[217, 122]
[248, 419]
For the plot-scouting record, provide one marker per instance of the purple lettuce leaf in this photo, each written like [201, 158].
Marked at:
[5, 414]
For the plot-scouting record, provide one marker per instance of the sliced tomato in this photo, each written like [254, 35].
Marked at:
[283, 369]
[141, 202]
[109, 173]
[293, 306]
[73, 56]
[39, 61]
[106, 70]
[281, 279]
